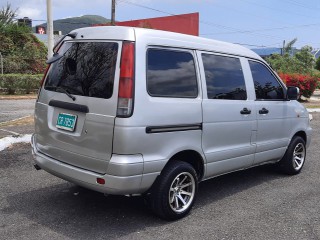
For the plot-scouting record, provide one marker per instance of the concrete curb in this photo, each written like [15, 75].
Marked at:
[313, 109]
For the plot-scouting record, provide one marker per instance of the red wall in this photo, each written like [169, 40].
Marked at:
[184, 23]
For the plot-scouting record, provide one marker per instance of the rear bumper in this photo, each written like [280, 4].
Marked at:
[124, 174]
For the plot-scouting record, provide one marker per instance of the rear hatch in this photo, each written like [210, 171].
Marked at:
[77, 106]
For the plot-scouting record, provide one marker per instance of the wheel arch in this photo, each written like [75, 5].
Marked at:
[192, 157]
[301, 134]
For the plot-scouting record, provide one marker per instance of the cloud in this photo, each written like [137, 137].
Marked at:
[37, 9]
[29, 12]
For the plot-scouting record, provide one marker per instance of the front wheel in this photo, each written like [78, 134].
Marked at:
[174, 191]
[294, 158]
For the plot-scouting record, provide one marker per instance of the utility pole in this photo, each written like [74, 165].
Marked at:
[113, 12]
[282, 51]
[50, 29]
[1, 63]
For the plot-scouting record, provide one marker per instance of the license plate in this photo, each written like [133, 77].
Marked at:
[66, 121]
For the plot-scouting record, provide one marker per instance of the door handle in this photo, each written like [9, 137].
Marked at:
[245, 111]
[263, 111]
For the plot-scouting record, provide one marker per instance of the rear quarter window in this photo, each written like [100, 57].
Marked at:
[171, 73]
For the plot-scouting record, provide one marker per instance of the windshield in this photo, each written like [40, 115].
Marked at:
[85, 69]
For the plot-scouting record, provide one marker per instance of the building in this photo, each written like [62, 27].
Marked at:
[183, 23]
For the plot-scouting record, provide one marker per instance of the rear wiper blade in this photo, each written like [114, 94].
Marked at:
[67, 93]
[63, 90]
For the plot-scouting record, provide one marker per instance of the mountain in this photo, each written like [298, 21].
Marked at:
[68, 24]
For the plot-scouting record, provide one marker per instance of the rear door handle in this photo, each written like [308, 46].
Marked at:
[245, 111]
[263, 111]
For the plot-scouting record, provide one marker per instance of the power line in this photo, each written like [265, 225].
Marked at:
[266, 29]
[201, 21]
[252, 32]
[250, 12]
[146, 7]
[303, 5]
[277, 9]
[233, 30]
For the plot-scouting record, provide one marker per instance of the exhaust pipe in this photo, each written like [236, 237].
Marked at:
[37, 167]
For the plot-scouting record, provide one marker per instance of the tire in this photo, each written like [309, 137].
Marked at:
[174, 192]
[294, 158]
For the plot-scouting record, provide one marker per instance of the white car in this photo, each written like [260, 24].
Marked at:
[132, 111]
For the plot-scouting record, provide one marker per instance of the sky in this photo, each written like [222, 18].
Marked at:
[253, 23]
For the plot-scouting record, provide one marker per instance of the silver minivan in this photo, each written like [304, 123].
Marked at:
[132, 111]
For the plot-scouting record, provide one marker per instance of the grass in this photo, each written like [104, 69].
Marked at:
[18, 122]
[311, 103]
[312, 106]
[17, 97]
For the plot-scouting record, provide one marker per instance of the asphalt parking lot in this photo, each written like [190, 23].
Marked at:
[13, 109]
[258, 203]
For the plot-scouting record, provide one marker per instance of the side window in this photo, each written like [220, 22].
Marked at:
[171, 74]
[224, 77]
[265, 84]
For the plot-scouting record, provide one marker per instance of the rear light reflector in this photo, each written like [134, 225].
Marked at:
[126, 81]
[101, 181]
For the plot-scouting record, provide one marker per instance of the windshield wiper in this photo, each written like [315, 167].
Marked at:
[61, 89]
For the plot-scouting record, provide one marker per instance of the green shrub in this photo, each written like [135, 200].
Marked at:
[23, 83]
[318, 64]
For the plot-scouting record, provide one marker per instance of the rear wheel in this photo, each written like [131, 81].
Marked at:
[174, 192]
[294, 158]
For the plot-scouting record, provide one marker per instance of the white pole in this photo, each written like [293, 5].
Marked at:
[50, 29]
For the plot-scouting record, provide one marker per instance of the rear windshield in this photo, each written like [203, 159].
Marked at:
[85, 69]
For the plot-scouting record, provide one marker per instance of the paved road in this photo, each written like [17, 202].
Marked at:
[255, 204]
[13, 109]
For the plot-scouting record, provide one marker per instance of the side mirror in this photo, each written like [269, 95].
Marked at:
[293, 93]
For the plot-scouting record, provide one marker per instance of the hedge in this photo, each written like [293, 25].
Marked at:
[306, 83]
[26, 83]
[22, 83]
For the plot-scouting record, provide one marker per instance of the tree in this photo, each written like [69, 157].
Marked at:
[301, 62]
[7, 15]
[285, 63]
[22, 51]
[306, 57]
[318, 64]
[288, 47]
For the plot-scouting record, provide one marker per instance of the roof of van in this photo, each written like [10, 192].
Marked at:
[181, 40]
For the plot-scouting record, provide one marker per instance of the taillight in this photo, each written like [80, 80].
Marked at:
[44, 76]
[126, 81]
[42, 80]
